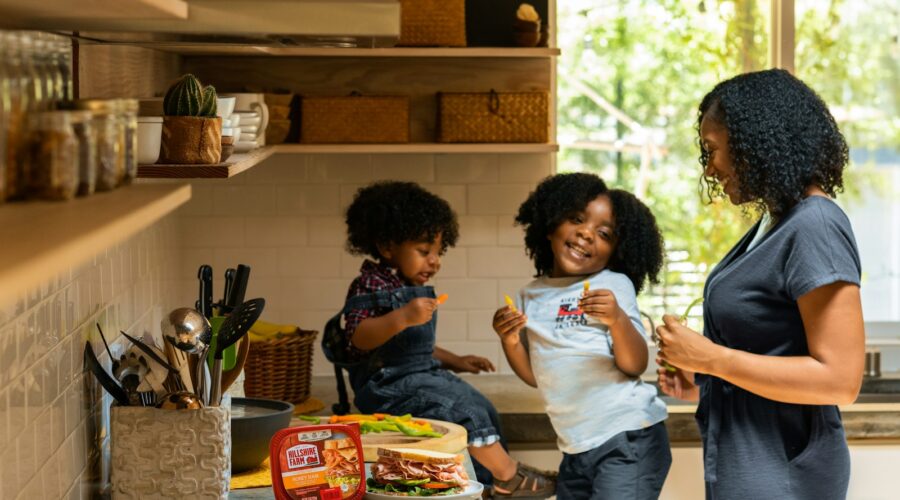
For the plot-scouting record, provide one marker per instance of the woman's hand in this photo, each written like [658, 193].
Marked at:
[602, 306]
[419, 311]
[508, 323]
[678, 384]
[684, 348]
[471, 364]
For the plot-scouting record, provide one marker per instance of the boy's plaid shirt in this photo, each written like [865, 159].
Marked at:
[373, 277]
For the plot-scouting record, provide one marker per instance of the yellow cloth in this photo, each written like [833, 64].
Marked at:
[254, 478]
[309, 406]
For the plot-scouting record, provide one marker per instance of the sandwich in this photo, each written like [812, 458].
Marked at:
[411, 472]
[342, 465]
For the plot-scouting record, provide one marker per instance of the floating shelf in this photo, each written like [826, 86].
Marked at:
[244, 50]
[45, 238]
[30, 13]
[237, 163]
[420, 148]
[243, 162]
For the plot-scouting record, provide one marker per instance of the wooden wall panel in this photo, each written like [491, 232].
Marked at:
[419, 78]
[110, 71]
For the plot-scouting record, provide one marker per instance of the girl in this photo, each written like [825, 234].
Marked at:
[391, 320]
[585, 347]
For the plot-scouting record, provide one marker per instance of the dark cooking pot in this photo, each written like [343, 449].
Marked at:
[253, 423]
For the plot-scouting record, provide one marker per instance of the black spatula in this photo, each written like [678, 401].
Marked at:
[233, 328]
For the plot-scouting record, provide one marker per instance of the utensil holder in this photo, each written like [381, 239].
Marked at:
[170, 453]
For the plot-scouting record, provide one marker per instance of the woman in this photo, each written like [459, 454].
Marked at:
[783, 339]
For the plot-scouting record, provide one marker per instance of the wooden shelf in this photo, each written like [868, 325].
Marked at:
[422, 148]
[244, 50]
[236, 164]
[18, 11]
[243, 162]
[43, 239]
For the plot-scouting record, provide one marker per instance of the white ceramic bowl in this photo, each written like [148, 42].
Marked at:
[244, 146]
[252, 119]
[149, 138]
[225, 106]
[234, 120]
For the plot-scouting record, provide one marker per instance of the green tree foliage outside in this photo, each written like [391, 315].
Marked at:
[654, 60]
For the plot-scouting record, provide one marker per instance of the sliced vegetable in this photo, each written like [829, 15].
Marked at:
[442, 298]
[436, 486]
[510, 303]
[310, 418]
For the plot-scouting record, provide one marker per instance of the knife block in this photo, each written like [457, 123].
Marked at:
[179, 454]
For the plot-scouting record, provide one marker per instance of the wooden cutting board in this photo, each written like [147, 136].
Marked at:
[454, 439]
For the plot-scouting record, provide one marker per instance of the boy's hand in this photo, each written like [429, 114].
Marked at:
[419, 311]
[602, 306]
[471, 364]
[508, 323]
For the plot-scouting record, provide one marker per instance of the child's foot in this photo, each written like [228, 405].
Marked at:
[527, 482]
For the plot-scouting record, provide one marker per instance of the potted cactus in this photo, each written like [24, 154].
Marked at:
[192, 133]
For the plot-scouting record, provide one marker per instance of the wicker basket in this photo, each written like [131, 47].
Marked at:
[354, 119]
[430, 23]
[493, 117]
[281, 369]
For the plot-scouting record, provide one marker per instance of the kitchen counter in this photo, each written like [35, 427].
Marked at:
[875, 416]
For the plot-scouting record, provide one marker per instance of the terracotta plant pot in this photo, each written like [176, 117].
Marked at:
[191, 140]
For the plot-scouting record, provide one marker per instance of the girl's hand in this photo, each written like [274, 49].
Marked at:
[471, 364]
[508, 324]
[419, 311]
[678, 384]
[684, 348]
[602, 306]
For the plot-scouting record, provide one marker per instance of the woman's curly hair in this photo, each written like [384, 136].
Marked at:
[395, 212]
[781, 136]
[638, 252]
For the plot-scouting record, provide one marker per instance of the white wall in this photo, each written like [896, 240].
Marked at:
[284, 218]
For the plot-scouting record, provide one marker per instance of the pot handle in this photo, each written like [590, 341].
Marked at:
[264, 112]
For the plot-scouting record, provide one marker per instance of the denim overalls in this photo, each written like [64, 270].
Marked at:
[402, 376]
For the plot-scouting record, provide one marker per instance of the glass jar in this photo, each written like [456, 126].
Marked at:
[128, 111]
[84, 127]
[109, 137]
[53, 157]
[15, 97]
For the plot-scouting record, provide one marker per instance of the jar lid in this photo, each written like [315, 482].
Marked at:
[150, 119]
[128, 105]
[104, 106]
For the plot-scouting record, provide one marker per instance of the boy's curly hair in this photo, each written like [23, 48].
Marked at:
[394, 212]
[781, 136]
[638, 252]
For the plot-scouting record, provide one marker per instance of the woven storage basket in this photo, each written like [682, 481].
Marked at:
[429, 23]
[493, 117]
[280, 369]
[354, 119]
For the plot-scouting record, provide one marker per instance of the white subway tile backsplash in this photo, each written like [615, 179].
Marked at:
[497, 199]
[403, 167]
[43, 405]
[294, 200]
[498, 262]
[453, 264]
[451, 326]
[508, 233]
[519, 168]
[466, 168]
[309, 262]
[480, 325]
[339, 169]
[469, 293]
[455, 194]
[275, 231]
[246, 200]
[278, 169]
[206, 232]
[350, 265]
[328, 230]
[477, 230]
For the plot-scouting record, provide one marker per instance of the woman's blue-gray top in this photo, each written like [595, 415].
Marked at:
[755, 447]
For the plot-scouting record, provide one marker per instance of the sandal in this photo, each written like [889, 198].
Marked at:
[528, 482]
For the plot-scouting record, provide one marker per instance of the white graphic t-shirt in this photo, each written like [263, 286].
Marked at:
[588, 399]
